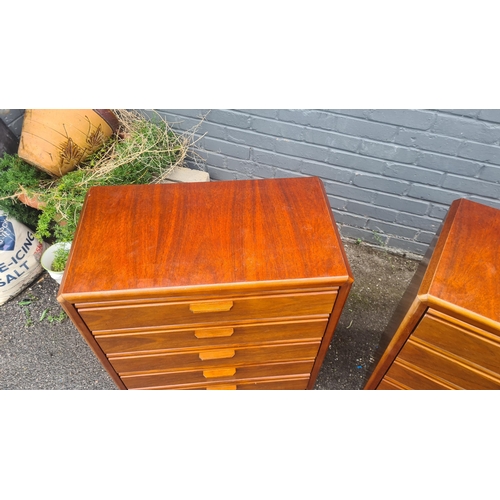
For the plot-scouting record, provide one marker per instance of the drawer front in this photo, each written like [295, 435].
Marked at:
[298, 384]
[441, 367]
[269, 385]
[202, 312]
[463, 343]
[236, 335]
[233, 375]
[215, 358]
[409, 378]
[386, 385]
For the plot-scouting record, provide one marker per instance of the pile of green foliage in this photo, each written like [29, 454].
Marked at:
[14, 173]
[144, 151]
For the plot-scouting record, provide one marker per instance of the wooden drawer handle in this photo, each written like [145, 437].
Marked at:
[219, 372]
[207, 307]
[213, 332]
[222, 388]
[220, 354]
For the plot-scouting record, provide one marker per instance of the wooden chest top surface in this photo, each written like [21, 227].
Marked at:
[182, 235]
[464, 269]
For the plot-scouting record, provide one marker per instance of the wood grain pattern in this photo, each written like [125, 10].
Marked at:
[191, 294]
[232, 374]
[179, 313]
[388, 385]
[448, 334]
[163, 236]
[470, 347]
[175, 339]
[446, 368]
[231, 284]
[466, 271]
[190, 360]
[413, 377]
[273, 385]
[107, 298]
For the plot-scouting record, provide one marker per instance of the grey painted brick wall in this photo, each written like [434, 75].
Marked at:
[390, 175]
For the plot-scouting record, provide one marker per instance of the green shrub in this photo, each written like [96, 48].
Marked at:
[14, 173]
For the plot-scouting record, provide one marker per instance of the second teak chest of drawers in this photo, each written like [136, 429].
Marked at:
[445, 333]
[221, 285]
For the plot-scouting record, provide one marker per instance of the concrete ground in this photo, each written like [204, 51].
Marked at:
[41, 349]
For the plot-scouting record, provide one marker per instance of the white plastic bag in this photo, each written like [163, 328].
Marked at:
[20, 254]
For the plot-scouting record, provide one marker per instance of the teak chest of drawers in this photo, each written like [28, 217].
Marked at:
[445, 334]
[221, 285]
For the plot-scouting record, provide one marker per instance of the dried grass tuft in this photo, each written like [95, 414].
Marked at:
[148, 145]
[145, 151]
